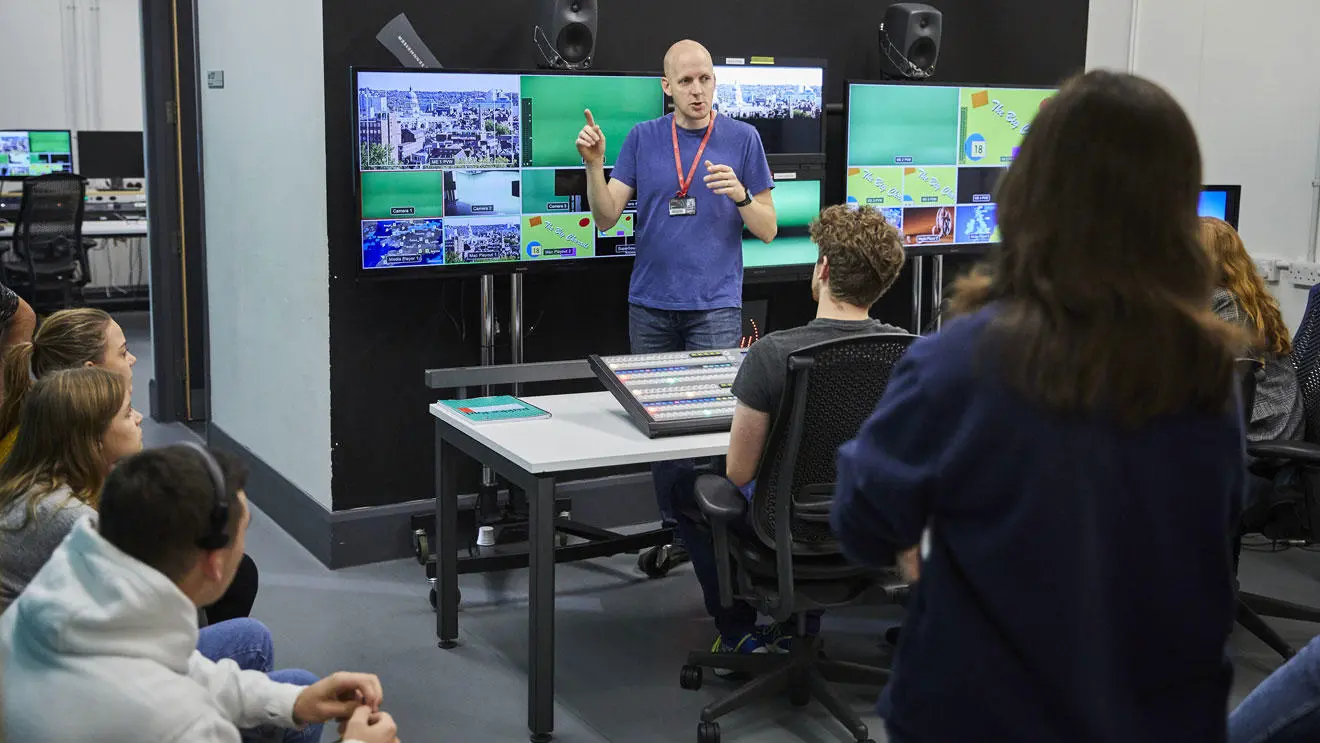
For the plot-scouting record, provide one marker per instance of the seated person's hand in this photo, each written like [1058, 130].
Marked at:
[337, 697]
[366, 726]
[909, 564]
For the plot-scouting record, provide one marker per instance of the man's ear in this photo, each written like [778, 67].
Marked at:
[824, 268]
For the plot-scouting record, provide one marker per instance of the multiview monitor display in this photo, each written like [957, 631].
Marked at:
[784, 102]
[25, 152]
[929, 156]
[477, 170]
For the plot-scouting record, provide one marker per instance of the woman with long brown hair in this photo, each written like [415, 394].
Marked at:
[1071, 446]
[1240, 297]
[77, 424]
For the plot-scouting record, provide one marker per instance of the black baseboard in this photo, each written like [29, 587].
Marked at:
[360, 536]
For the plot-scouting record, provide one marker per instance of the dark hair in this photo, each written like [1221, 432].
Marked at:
[1102, 284]
[66, 339]
[156, 505]
[864, 250]
[59, 442]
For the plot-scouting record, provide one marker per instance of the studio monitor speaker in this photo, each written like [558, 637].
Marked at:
[910, 39]
[567, 34]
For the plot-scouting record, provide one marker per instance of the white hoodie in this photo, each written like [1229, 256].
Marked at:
[100, 647]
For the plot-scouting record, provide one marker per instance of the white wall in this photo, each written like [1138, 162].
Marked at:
[72, 64]
[1255, 101]
[266, 243]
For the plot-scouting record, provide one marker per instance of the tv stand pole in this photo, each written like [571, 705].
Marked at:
[918, 268]
[516, 324]
[487, 348]
[937, 291]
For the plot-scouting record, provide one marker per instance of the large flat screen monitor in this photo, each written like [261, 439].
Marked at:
[478, 172]
[111, 155]
[782, 98]
[1224, 202]
[929, 156]
[35, 152]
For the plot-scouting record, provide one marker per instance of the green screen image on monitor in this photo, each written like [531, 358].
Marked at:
[390, 194]
[796, 203]
[553, 108]
[902, 125]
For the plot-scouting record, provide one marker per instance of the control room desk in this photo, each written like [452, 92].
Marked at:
[98, 228]
[585, 431]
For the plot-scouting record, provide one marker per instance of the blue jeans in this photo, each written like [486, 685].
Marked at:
[657, 331]
[248, 643]
[1285, 708]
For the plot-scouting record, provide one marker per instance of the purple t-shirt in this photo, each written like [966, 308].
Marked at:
[689, 263]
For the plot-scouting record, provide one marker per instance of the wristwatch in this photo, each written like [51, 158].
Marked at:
[747, 199]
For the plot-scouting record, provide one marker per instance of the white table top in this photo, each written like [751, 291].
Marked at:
[584, 431]
[100, 228]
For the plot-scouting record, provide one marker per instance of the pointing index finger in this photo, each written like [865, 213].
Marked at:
[591, 120]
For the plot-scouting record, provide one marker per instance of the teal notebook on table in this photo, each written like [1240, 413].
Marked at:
[497, 408]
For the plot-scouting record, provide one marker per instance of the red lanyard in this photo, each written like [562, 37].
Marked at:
[685, 184]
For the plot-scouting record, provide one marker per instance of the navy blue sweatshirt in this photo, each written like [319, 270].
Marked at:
[1079, 583]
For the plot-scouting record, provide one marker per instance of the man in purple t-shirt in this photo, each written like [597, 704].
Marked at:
[686, 288]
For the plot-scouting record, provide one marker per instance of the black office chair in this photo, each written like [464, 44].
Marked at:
[47, 262]
[1292, 514]
[788, 562]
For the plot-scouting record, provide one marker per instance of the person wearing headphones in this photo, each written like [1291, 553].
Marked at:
[101, 646]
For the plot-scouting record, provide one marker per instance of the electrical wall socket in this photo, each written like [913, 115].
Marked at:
[1268, 269]
[1304, 274]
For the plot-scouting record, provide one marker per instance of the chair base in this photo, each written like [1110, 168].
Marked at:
[804, 672]
[1252, 607]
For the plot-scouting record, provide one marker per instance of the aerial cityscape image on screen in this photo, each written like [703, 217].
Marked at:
[784, 104]
[472, 169]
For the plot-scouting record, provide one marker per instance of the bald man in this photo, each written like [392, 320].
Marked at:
[698, 179]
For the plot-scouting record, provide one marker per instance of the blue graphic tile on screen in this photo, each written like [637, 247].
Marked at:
[894, 216]
[1213, 204]
[533, 249]
[976, 224]
[398, 243]
[974, 147]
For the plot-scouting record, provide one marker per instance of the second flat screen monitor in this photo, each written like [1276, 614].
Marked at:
[481, 171]
[929, 157]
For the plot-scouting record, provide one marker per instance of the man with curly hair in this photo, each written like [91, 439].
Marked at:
[860, 256]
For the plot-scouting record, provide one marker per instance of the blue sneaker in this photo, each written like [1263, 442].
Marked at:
[749, 643]
[779, 637]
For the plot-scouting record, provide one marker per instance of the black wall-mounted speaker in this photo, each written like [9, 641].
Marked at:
[567, 34]
[910, 39]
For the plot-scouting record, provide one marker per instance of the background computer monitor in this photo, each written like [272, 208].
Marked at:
[111, 155]
[25, 152]
[1223, 202]
[797, 202]
[478, 172]
[782, 98]
[928, 156]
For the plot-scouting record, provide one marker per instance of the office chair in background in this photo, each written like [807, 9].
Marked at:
[788, 561]
[47, 262]
[1292, 514]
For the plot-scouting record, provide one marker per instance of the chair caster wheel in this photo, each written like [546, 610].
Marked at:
[708, 732]
[690, 678]
[649, 562]
[435, 599]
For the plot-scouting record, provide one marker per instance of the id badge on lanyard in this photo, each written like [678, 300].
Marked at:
[683, 205]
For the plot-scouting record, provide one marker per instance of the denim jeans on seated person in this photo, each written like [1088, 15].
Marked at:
[1285, 708]
[248, 643]
[659, 331]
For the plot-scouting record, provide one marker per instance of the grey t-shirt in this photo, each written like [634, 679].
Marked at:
[27, 543]
[764, 372]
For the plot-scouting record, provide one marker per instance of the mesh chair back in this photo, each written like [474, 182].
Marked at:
[49, 229]
[832, 388]
[1306, 360]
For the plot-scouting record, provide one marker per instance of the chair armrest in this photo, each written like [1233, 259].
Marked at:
[720, 500]
[1299, 452]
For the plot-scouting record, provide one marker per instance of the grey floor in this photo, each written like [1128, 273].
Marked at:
[621, 639]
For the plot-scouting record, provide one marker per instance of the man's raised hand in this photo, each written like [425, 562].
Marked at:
[591, 141]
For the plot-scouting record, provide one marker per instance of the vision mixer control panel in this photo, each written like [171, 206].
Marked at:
[670, 394]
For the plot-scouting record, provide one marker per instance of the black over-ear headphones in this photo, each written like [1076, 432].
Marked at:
[217, 534]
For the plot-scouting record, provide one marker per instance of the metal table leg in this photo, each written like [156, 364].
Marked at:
[446, 533]
[541, 611]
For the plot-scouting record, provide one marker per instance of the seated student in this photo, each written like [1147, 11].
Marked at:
[90, 337]
[1082, 396]
[1285, 708]
[860, 256]
[100, 647]
[1240, 297]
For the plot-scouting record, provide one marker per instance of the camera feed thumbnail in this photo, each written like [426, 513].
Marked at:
[396, 243]
[784, 104]
[471, 193]
[977, 185]
[433, 122]
[481, 240]
[552, 107]
[977, 224]
[926, 226]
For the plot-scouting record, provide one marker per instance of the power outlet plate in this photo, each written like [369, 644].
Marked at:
[1268, 268]
[1304, 274]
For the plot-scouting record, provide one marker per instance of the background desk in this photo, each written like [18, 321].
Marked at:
[585, 431]
[98, 228]
[118, 267]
